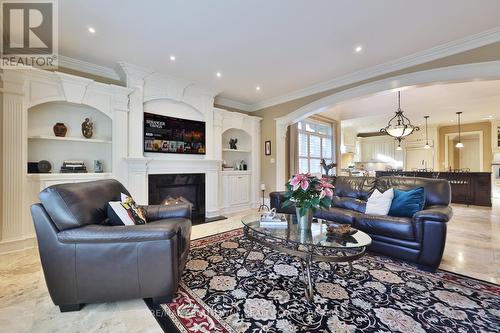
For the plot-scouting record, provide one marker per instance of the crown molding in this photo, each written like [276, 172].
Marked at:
[87, 67]
[434, 53]
[437, 52]
[233, 104]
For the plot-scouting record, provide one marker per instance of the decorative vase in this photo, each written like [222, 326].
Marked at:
[60, 129]
[305, 221]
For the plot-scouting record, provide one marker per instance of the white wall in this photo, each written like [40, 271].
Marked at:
[470, 154]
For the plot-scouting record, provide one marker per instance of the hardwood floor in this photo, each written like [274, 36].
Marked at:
[472, 249]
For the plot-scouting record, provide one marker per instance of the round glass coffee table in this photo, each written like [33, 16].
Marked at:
[306, 245]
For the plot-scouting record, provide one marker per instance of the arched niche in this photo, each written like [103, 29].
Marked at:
[44, 145]
[244, 147]
[171, 108]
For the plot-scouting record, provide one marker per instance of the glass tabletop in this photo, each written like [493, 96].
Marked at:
[317, 236]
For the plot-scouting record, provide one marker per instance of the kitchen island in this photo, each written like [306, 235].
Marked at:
[468, 188]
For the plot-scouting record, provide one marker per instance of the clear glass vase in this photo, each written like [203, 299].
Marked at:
[304, 221]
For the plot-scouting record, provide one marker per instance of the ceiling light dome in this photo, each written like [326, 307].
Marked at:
[399, 126]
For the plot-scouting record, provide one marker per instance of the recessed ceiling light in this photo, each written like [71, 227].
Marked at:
[218, 74]
[172, 58]
[358, 48]
[91, 30]
[257, 88]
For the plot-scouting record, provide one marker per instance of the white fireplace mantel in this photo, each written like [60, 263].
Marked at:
[169, 96]
[141, 168]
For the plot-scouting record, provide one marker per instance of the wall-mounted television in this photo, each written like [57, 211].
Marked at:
[170, 135]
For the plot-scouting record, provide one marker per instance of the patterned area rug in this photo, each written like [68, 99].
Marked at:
[381, 295]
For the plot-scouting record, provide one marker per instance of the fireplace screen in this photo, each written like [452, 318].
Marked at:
[171, 188]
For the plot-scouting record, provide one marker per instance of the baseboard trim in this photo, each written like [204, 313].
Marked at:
[17, 244]
[237, 208]
[213, 213]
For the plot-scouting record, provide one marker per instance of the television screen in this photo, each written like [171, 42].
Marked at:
[173, 135]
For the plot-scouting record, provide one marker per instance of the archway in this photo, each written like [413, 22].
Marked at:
[460, 73]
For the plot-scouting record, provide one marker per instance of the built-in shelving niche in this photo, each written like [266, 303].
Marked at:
[44, 145]
[244, 145]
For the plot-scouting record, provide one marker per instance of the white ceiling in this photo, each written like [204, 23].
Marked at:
[280, 45]
[479, 101]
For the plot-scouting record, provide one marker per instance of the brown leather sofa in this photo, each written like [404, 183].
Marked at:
[419, 239]
[86, 261]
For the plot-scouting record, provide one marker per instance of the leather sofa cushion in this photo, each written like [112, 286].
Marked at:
[355, 187]
[78, 204]
[397, 227]
[437, 191]
[338, 215]
[349, 203]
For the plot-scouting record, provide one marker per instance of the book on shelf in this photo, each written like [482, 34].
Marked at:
[73, 167]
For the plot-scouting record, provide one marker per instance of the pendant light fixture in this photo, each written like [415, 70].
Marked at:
[399, 144]
[459, 143]
[399, 126]
[427, 146]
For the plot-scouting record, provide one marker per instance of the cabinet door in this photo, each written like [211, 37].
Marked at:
[419, 159]
[244, 188]
[236, 190]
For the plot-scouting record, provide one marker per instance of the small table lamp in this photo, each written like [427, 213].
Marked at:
[263, 206]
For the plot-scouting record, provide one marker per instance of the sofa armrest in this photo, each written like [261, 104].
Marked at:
[162, 212]
[277, 199]
[93, 234]
[434, 213]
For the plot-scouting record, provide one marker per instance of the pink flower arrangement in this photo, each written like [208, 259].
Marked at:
[300, 180]
[308, 193]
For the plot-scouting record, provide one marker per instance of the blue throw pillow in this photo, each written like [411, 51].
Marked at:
[407, 203]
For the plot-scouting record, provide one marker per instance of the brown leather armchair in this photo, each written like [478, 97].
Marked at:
[86, 261]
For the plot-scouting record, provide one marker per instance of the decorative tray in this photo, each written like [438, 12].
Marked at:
[340, 230]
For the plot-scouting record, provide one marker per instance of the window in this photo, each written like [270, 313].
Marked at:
[315, 141]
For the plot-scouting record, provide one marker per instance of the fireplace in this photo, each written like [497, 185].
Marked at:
[188, 186]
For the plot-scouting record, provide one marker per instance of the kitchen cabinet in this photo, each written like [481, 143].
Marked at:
[468, 188]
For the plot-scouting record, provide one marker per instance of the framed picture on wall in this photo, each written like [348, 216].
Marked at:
[267, 148]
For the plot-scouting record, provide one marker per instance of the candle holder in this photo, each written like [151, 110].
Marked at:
[263, 206]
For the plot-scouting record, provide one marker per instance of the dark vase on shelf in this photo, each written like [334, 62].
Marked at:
[60, 129]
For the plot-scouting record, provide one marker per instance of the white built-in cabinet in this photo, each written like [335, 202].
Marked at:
[240, 188]
[33, 101]
[236, 189]
[378, 149]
